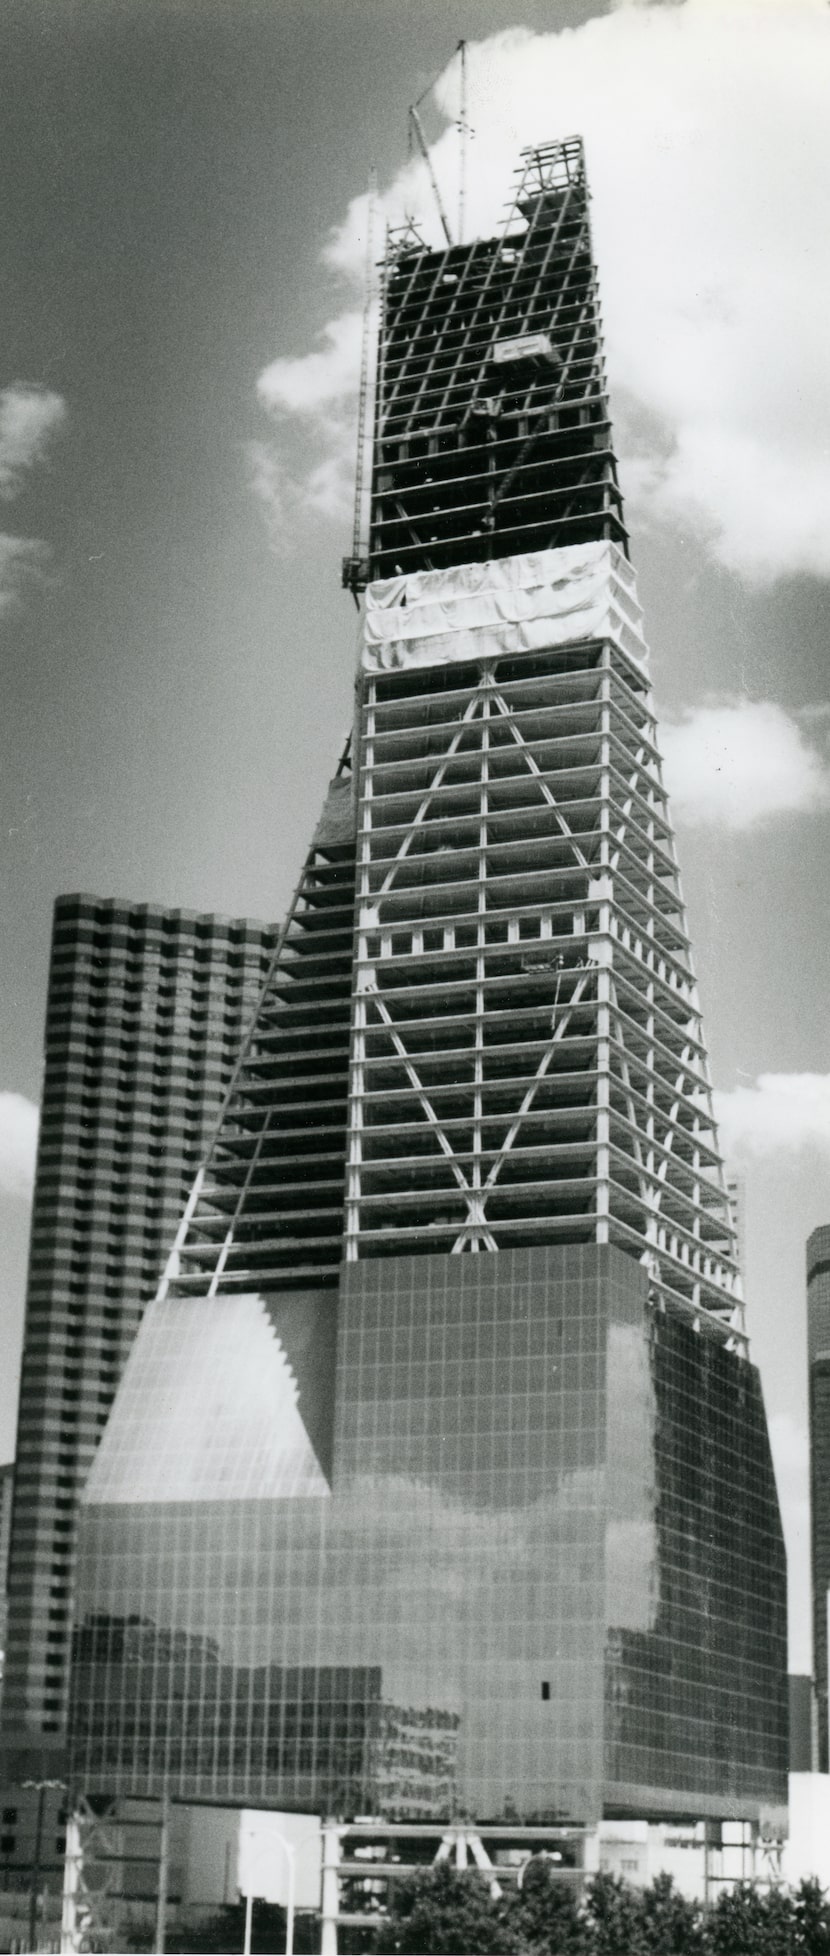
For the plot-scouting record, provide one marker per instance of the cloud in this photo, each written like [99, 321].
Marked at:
[30, 417]
[782, 1113]
[18, 1144]
[735, 763]
[705, 128]
[316, 380]
[274, 490]
[316, 395]
[23, 561]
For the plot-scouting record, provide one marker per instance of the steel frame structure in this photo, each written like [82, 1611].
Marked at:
[362, 1860]
[476, 457]
[266, 1209]
[528, 1061]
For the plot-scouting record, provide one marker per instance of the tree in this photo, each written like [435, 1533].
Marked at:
[447, 1910]
[745, 1922]
[543, 1915]
[811, 1920]
[671, 1925]
[780, 1924]
[616, 1917]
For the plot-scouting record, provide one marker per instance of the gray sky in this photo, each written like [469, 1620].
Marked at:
[174, 473]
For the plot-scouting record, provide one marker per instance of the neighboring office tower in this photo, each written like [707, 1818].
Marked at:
[445, 1489]
[6, 1489]
[818, 1358]
[146, 1009]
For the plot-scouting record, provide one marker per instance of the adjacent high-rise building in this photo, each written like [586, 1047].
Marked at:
[6, 1489]
[438, 1481]
[818, 1358]
[145, 1015]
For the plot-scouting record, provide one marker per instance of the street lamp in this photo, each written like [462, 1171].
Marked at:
[289, 1852]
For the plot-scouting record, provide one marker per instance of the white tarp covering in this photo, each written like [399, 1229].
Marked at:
[512, 604]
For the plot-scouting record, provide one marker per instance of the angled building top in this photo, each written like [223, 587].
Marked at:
[492, 432]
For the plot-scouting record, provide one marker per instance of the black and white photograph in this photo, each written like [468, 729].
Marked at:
[415, 1044]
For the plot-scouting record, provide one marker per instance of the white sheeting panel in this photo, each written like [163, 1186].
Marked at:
[513, 604]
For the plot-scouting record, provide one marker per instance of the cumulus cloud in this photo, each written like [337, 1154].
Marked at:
[274, 491]
[737, 762]
[18, 1144]
[316, 392]
[30, 417]
[705, 128]
[781, 1113]
[316, 380]
[23, 561]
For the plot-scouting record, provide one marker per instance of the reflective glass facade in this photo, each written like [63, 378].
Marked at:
[818, 1346]
[490, 1577]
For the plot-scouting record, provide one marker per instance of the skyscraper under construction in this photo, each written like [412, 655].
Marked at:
[438, 1481]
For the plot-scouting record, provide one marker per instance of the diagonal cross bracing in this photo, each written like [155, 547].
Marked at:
[524, 930]
[423, 810]
[536, 771]
[267, 1205]
[509, 1048]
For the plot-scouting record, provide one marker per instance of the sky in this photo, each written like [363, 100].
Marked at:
[183, 238]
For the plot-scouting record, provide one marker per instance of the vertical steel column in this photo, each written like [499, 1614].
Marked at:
[164, 1869]
[70, 1925]
[481, 954]
[604, 975]
[364, 775]
[330, 1887]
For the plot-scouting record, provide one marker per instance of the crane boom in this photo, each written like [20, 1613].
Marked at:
[416, 124]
